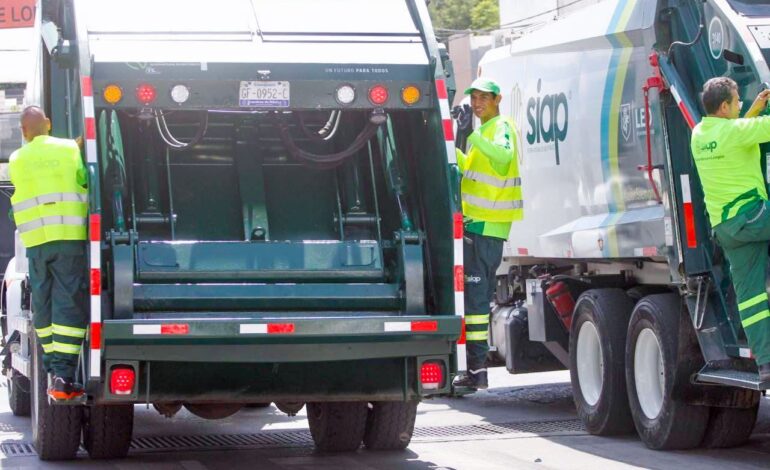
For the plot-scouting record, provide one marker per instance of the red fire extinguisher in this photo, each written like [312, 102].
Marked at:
[561, 300]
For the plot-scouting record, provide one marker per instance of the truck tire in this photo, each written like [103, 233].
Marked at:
[390, 424]
[597, 366]
[662, 421]
[18, 394]
[107, 431]
[337, 426]
[730, 427]
[55, 428]
[641, 291]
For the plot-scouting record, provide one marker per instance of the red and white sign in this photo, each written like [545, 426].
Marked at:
[17, 14]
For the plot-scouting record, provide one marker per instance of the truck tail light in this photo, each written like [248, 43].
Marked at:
[410, 95]
[432, 375]
[112, 93]
[122, 380]
[146, 93]
[378, 94]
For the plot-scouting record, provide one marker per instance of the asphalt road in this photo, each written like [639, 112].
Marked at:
[522, 422]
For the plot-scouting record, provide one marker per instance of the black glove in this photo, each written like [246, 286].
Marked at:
[464, 116]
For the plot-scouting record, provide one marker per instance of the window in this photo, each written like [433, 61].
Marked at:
[751, 8]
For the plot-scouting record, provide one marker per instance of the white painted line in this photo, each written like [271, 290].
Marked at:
[146, 329]
[96, 309]
[686, 194]
[398, 326]
[95, 360]
[451, 153]
[460, 304]
[252, 329]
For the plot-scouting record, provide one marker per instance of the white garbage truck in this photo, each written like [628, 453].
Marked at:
[613, 272]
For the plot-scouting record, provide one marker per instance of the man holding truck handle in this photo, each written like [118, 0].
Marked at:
[727, 155]
[491, 200]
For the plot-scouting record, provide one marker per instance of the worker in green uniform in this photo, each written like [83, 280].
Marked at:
[726, 152]
[50, 206]
[491, 200]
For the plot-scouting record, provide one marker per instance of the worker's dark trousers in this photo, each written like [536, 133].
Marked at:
[744, 239]
[57, 274]
[482, 256]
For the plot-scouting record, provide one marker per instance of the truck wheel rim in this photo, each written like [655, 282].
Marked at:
[590, 365]
[649, 373]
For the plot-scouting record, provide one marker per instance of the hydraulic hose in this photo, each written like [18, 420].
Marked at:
[329, 159]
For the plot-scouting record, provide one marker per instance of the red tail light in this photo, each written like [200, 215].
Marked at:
[432, 375]
[378, 94]
[145, 93]
[122, 380]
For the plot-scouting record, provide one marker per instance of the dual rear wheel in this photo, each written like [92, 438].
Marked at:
[58, 430]
[624, 365]
[343, 426]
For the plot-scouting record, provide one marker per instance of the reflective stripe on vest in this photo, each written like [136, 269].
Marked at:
[49, 202]
[492, 181]
[49, 199]
[52, 220]
[492, 205]
[488, 195]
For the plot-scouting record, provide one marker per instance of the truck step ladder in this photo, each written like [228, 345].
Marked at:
[750, 380]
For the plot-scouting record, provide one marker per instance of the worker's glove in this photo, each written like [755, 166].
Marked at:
[463, 115]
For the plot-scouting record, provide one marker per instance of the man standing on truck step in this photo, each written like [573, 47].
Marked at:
[727, 156]
[50, 207]
[491, 199]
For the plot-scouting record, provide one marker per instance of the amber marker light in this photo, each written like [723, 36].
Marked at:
[112, 94]
[410, 95]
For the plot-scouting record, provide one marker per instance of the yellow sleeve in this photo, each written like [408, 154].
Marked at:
[462, 159]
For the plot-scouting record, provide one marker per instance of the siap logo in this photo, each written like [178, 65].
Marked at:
[548, 120]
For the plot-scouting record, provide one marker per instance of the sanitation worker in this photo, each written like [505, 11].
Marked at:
[491, 200]
[726, 152]
[50, 206]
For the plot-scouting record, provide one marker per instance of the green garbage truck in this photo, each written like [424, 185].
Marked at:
[271, 216]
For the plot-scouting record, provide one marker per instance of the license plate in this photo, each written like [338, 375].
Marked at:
[264, 95]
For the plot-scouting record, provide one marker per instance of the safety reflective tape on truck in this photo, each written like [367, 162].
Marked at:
[687, 212]
[94, 231]
[267, 328]
[89, 118]
[646, 251]
[682, 107]
[410, 326]
[162, 329]
[745, 352]
[446, 120]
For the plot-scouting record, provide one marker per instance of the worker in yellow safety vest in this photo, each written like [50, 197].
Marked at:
[491, 200]
[726, 151]
[50, 207]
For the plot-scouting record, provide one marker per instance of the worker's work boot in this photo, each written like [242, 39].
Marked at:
[472, 379]
[64, 390]
[764, 372]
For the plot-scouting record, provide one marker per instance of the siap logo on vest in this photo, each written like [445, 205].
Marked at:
[548, 118]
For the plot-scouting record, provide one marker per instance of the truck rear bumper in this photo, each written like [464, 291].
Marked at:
[278, 339]
[247, 360]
